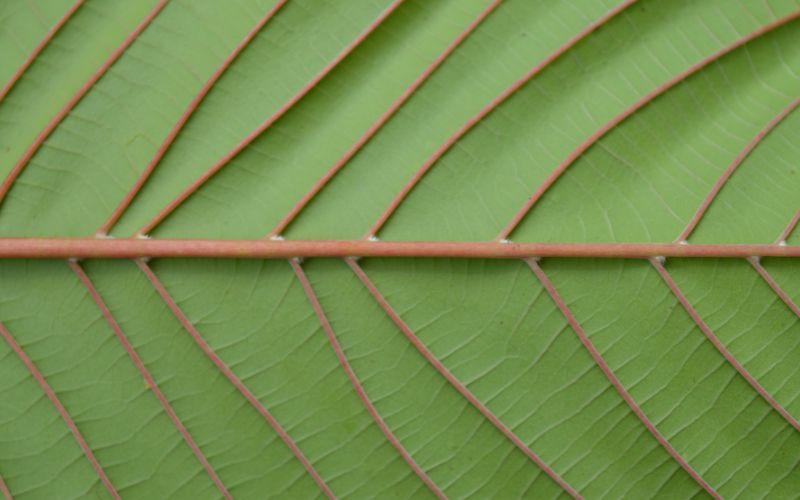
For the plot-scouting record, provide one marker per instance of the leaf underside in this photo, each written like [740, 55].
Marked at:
[420, 376]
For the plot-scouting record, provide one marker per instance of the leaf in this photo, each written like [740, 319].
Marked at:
[641, 156]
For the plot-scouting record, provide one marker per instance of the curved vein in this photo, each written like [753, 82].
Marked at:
[612, 377]
[717, 343]
[485, 111]
[789, 228]
[62, 113]
[228, 373]
[717, 187]
[105, 228]
[39, 48]
[455, 382]
[238, 148]
[51, 395]
[630, 110]
[151, 382]
[351, 375]
[380, 122]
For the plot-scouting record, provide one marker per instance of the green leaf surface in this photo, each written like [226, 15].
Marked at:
[465, 378]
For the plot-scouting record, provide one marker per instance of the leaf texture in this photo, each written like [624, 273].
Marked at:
[587, 121]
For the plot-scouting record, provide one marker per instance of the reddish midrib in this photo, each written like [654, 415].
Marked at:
[453, 380]
[145, 373]
[6, 185]
[75, 99]
[754, 261]
[612, 377]
[15, 248]
[184, 118]
[354, 381]
[717, 187]
[51, 395]
[39, 48]
[762, 271]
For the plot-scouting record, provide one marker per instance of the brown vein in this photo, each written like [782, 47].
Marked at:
[105, 228]
[380, 122]
[234, 380]
[4, 490]
[485, 111]
[39, 48]
[612, 377]
[630, 110]
[230, 155]
[129, 248]
[715, 341]
[48, 129]
[151, 382]
[784, 236]
[51, 395]
[351, 375]
[455, 382]
[780, 292]
[717, 187]
[762, 271]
